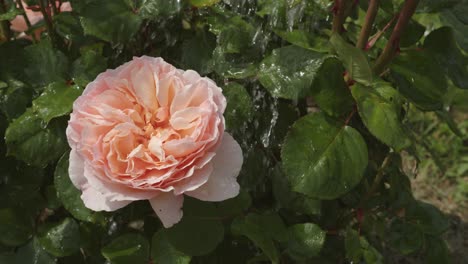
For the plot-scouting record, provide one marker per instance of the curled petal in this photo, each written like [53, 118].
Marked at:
[222, 183]
[96, 201]
[168, 207]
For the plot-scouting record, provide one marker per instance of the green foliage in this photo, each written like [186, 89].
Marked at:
[60, 239]
[16, 227]
[127, 248]
[323, 158]
[199, 231]
[164, 252]
[323, 136]
[69, 195]
[289, 71]
[120, 22]
[379, 106]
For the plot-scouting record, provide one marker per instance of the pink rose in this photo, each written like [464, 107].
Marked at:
[149, 131]
[18, 24]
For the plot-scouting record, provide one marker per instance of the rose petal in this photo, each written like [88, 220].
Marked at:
[222, 183]
[197, 178]
[76, 169]
[145, 87]
[168, 207]
[96, 201]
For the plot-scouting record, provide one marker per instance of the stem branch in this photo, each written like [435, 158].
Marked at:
[47, 19]
[26, 18]
[378, 179]
[367, 27]
[339, 15]
[394, 42]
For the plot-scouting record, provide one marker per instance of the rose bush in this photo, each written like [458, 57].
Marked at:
[114, 149]
[149, 131]
[34, 16]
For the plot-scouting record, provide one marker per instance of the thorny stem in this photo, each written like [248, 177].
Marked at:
[26, 19]
[394, 42]
[46, 16]
[376, 37]
[50, 28]
[368, 22]
[338, 15]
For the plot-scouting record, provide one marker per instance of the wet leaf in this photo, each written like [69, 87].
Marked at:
[322, 157]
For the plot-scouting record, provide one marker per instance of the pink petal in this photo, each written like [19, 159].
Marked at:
[114, 191]
[76, 169]
[168, 207]
[96, 201]
[145, 87]
[222, 183]
[198, 177]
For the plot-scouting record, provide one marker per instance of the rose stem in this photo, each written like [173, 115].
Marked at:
[367, 27]
[394, 42]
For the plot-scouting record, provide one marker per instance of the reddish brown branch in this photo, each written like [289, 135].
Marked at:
[393, 43]
[368, 22]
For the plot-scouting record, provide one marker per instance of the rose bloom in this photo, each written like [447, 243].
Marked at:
[149, 131]
[18, 24]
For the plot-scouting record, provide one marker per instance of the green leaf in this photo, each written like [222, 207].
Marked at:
[29, 139]
[119, 25]
[51, 196]
[197, 52]
[305, 240]
[31, 253]
[13, 60]
[441, 42]
[428, 218]
[427, 6]
[262, 230]
[289, 71]
[11, 13]
[67, 25]
[164, 253]
[405, 237]
[379, 106]
[70, 195]
[233, 65]
[157, 9]
[89, 65]
[354, 60]
[45, 64]
[287, 198]
[60, 239]
[16, 227]
[456, 19]
[56, 100]
[412, 33]
[15, 98]
[234, 206]
[127, 248]
[239, 108]
[236, 35]
[323, 158]
[304, 39]
[419, 79]
[330, 91]
[357, 248]
[436, 251]
[353, 245]
[200, 230]
[203, 3]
